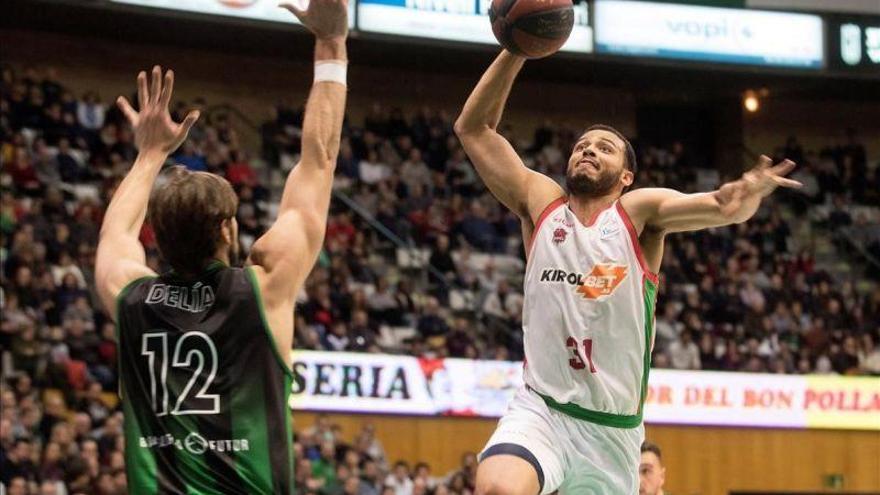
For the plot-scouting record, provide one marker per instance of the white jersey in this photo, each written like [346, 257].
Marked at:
[588, 315]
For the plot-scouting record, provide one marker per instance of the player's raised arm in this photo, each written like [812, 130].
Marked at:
[667, 210]
[523, 191]
[121, 257]
[288, 250]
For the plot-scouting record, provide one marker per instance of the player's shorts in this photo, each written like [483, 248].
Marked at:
[571, 455]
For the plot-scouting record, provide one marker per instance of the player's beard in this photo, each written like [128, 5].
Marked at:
[580, 184]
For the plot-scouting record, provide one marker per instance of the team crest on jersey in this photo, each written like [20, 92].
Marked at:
[559, 235]
[602, 280]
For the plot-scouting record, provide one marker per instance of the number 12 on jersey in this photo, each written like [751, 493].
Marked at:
[195, 355]
[577, 361]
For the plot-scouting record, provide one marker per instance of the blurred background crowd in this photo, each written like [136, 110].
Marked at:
[419, 259]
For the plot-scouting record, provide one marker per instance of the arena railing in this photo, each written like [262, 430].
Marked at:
[399, 243]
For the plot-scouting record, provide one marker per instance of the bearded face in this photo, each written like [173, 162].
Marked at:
[581, 184]
[596, 165]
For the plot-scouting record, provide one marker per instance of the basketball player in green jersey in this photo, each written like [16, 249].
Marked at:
[203, 349]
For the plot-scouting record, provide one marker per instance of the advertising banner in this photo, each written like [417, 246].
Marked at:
[262, 10]
[378, 383]
[749, 399]
[837, 6]
[850, 6]
[385, 384]
[454, 20]
[711, 34]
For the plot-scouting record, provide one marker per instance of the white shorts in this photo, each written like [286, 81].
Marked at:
[574, 456]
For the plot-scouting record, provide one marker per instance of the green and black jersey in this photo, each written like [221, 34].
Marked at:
[204, 389]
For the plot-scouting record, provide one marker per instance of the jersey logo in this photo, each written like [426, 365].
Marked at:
[608, 229]
[559, 235]
[602, 280]
[564, 221]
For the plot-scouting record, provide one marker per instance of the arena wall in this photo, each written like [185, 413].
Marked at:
[699, 460]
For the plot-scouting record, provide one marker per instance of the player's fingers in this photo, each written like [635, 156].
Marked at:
[127, 110]
[783, 182]
[299, 13]
[188, 122]
[143, 91]
[156, 85]
[783, 168]
[167, 89]
[764, 161]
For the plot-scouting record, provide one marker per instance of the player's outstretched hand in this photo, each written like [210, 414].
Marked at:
[766, 177]
[153, 128]
[326, 19]
[740, 199]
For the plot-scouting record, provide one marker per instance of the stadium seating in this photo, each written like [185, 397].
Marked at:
[419, 259]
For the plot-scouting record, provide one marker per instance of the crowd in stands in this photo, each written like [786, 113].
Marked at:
[328, 464]
[734, 298]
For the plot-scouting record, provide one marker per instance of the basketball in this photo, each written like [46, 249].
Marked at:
[532, 28]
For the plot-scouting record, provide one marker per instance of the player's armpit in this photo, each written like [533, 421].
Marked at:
[667, 210]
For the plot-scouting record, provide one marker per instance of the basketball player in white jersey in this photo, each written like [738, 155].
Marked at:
[590, 285]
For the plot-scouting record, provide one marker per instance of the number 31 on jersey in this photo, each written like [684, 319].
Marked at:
[576, 361]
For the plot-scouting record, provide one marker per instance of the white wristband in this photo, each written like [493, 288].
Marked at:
[331, 71]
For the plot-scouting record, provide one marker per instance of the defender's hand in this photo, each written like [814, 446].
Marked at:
[153, 128]
[326, 19]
